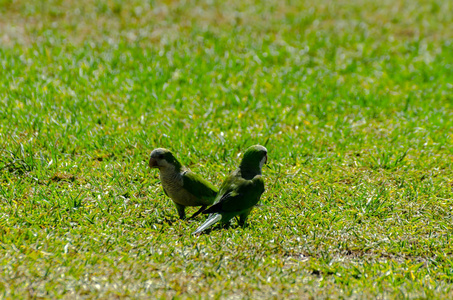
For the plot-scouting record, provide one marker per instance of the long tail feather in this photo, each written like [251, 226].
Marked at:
[214, 218]
[198, 212]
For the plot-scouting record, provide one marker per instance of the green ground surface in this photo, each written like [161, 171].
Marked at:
[353, 100]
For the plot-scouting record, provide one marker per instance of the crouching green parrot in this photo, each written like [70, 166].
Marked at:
[240, 191]
[184, 187]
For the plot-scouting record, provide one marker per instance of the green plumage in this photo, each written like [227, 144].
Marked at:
[184, 187]
[199, 187]
[240, 191]
[237, 194]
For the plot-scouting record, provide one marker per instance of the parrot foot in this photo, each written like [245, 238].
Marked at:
[169, 221]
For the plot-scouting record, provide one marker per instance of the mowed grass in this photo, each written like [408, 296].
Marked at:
[353, 100]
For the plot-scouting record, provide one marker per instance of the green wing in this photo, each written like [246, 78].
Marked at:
[238, 194]
[199, 187]
[166, 194]
[227, 186]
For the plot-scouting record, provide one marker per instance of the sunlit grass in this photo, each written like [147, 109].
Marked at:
[351, 98]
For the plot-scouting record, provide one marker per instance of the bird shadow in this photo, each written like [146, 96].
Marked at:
[161, 220]
[170, 220]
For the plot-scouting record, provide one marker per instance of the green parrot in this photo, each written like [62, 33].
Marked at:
[240, 191]
[184, 187]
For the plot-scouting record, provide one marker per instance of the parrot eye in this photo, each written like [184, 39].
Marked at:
[161, 156]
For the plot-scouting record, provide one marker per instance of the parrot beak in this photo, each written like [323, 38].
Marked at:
[153, 163]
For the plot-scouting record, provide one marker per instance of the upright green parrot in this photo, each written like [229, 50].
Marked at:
[240, 191]
[184, 187]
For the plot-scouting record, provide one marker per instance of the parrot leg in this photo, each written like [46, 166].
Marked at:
[226, 221]
[243, 218]
[198, 211]
[181, 211]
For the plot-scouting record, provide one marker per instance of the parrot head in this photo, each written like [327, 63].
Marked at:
[254, 157]
[162, 158]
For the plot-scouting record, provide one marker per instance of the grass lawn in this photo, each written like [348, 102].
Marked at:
[353, 100]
